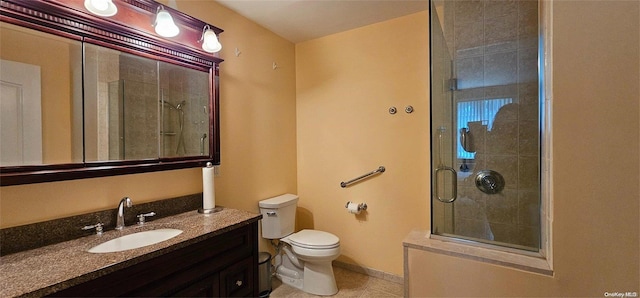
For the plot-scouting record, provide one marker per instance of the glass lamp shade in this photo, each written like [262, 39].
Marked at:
[164, 24]
[104, 8]
[210, 42]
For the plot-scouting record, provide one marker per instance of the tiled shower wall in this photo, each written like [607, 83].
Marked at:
[495, 50]
[140, 97]
[191, 86]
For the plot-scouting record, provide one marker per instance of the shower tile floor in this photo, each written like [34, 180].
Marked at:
[350, 284]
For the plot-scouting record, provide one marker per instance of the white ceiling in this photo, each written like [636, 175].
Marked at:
[302, 20]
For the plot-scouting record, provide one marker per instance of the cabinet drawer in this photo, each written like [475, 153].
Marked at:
[238, 280]
[207, 287]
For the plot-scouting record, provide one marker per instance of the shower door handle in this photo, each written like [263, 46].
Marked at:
[454, 193]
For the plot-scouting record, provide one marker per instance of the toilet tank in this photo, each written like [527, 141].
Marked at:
[278, 216]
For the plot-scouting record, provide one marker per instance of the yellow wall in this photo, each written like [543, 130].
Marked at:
[346, 83]
[56, 80]
[596, 112]
[258, 136]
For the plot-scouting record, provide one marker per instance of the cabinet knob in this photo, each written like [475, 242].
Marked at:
[239, 283]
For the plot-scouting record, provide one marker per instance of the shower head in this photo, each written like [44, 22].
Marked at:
[162, 101]
[179, 106]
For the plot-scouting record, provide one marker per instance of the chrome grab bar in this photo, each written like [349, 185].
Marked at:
[381, 169]
[454, 195]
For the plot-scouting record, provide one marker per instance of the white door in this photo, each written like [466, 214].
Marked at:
[20, 114]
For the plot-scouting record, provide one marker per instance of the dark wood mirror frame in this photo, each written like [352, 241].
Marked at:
[131, 31]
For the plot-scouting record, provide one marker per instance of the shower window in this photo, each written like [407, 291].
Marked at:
[474, 111]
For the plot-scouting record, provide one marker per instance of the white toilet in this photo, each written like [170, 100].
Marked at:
[304, 261]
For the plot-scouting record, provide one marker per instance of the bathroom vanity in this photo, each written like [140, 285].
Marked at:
[216, 255]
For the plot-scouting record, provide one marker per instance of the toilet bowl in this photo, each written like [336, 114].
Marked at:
[313, 245]
[317, 250]
[304, 259]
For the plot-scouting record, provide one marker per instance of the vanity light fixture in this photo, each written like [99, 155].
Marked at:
[209, 40]
[103, 8]
[164, 24]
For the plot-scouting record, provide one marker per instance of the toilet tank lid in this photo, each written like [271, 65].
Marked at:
[279, 201]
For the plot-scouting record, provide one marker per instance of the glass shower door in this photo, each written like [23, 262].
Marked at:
[485, 131]
[444, 182]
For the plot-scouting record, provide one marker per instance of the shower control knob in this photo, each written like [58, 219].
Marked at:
[489, 182]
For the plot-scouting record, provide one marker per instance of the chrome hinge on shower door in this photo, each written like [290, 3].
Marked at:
[453, 84]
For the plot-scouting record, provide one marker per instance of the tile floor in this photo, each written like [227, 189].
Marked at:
[350, 284]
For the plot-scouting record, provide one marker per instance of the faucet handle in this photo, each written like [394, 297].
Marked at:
[141, 217]
[97, 226]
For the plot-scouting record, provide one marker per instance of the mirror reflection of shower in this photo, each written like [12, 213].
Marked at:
[202, 139]
[166, 126]
[152, 110]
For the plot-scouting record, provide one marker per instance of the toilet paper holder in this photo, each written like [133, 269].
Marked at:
[361, 206]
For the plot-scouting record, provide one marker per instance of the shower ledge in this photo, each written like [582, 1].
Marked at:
[527, 261]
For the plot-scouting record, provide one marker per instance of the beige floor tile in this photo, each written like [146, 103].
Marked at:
[385, 286]
[370, 293]
[350, 284]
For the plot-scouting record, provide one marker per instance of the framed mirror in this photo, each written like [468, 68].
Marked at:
[89, 96]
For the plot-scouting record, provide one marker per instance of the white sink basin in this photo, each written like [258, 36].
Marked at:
[135, 240]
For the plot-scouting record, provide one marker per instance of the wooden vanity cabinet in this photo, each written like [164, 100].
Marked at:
[225, 265]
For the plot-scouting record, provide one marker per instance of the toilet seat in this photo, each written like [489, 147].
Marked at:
[312, 239]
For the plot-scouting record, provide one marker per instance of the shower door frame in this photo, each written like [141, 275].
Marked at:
[545, 152]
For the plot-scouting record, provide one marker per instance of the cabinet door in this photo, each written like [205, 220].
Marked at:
[238, 279]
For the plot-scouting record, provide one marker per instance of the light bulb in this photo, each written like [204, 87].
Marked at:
[210, 42]
[104, 8]
[100, 5]
[165, 25]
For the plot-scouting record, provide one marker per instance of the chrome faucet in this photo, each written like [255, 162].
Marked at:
[125, 202]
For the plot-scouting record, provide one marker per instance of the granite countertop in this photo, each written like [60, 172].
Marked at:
[52, 268]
